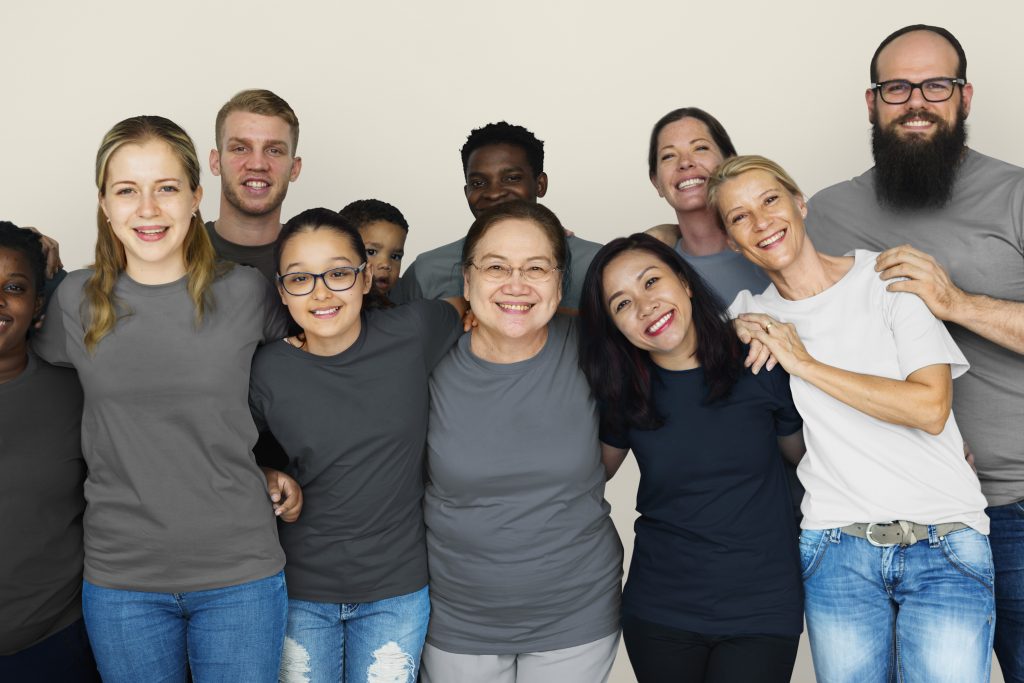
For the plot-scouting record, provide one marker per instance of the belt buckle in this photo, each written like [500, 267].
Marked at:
[872, 541]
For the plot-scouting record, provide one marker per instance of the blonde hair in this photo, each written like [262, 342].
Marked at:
[262, 102]
[199, 256]
[737, 166]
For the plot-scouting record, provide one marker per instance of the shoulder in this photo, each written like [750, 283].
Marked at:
[70, 291]
[442, 254]
[844, 191]
[578, 245]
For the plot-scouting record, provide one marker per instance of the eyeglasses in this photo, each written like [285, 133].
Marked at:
[932, 89]
[502, 272]
[336, 279]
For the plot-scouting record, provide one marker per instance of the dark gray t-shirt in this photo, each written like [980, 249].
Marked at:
[42, 504]
[176, 502]
[979, 239]
[354, 426]
[437, 274]
[260, 256]
[727, 272]
[523, 555]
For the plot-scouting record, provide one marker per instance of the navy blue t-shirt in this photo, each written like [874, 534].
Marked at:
[716, 544]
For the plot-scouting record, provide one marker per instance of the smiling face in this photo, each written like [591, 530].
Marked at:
[19, 303]
[149, 204]
[385, 247]
[915, 57]
[516, 309]
[329, 319]
[686, 156]
[499, 173]
[650, 305]
[256, 163]
[763, 220]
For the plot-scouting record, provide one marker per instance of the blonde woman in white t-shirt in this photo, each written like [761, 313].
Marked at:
[896, 564]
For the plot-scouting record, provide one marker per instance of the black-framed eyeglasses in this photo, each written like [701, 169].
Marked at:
[336, 279]
[502, 272]
[932, 89]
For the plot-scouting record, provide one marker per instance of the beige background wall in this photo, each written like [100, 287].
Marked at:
[387, 91]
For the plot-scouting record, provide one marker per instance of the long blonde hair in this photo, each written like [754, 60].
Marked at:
[199, 256]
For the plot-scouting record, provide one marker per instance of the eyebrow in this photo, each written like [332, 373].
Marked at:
[499, 257]
[298, 263]
[266, 143]
[159, 180]
[691, 142]
[638, 277]
[504, 169]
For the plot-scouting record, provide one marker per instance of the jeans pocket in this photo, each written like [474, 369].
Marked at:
[969, 552]
[813, 543]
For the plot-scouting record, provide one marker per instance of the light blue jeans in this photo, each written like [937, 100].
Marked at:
[226, 634]
[372, 642]
[919, 614]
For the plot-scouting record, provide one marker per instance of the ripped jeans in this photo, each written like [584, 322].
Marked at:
[371, 642]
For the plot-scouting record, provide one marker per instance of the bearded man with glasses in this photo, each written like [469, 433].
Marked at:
[963, 214]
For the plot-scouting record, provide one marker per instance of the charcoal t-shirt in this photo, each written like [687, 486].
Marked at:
[716, 543]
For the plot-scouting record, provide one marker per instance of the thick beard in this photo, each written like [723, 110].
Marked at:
[917, 174]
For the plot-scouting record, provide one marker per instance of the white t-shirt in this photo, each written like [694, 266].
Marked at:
[857, 467]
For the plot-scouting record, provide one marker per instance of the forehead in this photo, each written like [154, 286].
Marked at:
[384, 232]
[248, 126]
[493, 158]
[14, 261]
[135, 160]
[683, 131]
[747, 184]
[515, 238]
[630, 263]
[919, 54]
[318, 245]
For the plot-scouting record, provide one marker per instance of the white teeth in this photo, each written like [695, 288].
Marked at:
[773, 239]
[917, 123]
[154, 231]
[659, 323]
[691, 182]
[323, 312]
[256, 184]
[515, 307]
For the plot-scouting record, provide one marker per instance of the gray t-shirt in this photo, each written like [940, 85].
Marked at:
[523, 555]
[260, 256]
[979, 238]
[437, 274]
[42, 504]
[175, 500]
[727, 272]
[354, 426]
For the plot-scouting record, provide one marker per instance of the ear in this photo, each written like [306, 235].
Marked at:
[214, 162]
[732, 243]
[465, 283]
[37, 310]
[654, 182]
[966, 97]
[802, 204]
[103, 205]
[870, 98]
[281, 293]
[296, 169]
[367, 280]
[197, 197]
[542, 185]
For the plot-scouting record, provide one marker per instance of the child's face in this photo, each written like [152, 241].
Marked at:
[19, 301]
[385, 247]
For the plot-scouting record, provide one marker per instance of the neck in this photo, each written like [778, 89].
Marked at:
[249, 231]
[700, 232]
[335, 344]
[811, 274]
[497, 348]
[157, 273]
[13, 363]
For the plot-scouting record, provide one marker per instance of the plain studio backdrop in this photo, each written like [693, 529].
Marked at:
[386, 93]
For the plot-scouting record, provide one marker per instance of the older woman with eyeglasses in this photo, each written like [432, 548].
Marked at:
[347, 401]
[525, 564]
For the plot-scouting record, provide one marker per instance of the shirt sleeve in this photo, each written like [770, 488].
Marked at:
[440, 327]
[787, 418]
[276, 318]
[51, 341]
[407, 288]
[921, 339]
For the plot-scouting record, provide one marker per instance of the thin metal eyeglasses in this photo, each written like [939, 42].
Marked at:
[336, 279]
[502, 272]
[932, 89]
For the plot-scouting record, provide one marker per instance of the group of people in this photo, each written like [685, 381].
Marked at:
[315, 469]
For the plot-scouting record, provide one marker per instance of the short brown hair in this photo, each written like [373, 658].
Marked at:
[261, 102]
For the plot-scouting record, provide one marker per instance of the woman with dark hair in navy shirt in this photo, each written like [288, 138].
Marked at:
[714, 591]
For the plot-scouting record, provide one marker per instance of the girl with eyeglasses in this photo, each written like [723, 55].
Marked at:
[347, 401]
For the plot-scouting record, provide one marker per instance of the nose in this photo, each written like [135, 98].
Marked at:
[148, 204]
[647, 307]
[320, 289]
[256, 161]
[495, 191]
[917, 100]
[685, 161]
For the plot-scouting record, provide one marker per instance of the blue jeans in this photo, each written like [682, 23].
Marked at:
[1007, 539]
[367, 641]
[226, 634]
[919, 614]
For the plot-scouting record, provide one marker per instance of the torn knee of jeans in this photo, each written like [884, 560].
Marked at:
[391, 664]
[294, 662]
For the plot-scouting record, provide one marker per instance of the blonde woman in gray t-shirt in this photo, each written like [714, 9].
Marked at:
[525, 564]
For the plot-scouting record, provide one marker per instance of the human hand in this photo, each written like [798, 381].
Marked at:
[781, 340]
[758, 355]
[51, 250]
[285, 494]
[925, 278]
